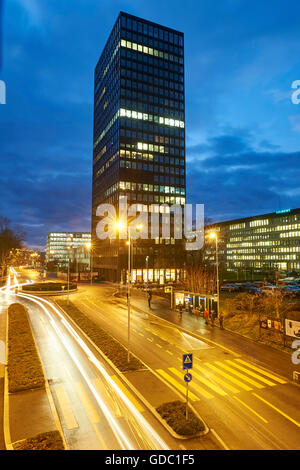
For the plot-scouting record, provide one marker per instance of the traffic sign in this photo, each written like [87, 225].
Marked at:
[187, 361]
[188, 377]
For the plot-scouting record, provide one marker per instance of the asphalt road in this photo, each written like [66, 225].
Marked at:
[250, 407]
[95, 411]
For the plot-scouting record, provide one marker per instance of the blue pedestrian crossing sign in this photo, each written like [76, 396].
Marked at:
[187, 377]
[187, 361]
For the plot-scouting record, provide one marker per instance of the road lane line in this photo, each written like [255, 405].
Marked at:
[150, 339]
[158, 345]
[209, 384]
[65, 407]
[217, 379]
[193, 385]
[261, 371]
[229, 377]
[128, 394]
[177, 385]
[169, 352]
[113, 403]
[250, 409]
[253, 374]
[219, 439]
[238, 374]
[87, 403]
[277, 409]
[99, 436]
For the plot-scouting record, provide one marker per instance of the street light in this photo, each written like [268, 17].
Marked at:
[120, 226]
[215, 236]
[69, 239]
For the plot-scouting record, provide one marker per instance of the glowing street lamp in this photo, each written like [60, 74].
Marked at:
[214, 235]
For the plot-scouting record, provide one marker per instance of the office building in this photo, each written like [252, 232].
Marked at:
[64, 246]
[265, 242]
[139, 141]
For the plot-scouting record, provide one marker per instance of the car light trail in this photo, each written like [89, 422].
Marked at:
[125, 443]
[156, 440]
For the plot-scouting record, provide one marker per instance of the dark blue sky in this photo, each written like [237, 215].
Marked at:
[243, 132]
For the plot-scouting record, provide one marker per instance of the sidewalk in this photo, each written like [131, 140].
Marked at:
[276, 360]
[29, 414]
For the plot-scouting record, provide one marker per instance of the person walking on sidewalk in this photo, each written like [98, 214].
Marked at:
[206, 315]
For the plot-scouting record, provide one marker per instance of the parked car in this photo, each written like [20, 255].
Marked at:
[254, 290]
[230, 288]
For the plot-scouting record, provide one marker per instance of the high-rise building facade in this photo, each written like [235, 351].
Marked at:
[265, 242]
[139, 139]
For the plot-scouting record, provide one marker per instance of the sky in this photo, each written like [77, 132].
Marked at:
[242, 129]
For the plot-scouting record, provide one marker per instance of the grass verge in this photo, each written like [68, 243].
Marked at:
[48, 287]
[46, 441]
[112, 349]
[24, 368]
[174, 415]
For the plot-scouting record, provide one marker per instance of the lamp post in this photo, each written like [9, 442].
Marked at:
[119, 226]
[215, 236]
[68, 278]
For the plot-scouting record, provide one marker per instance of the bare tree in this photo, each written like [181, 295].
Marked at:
[10, 238]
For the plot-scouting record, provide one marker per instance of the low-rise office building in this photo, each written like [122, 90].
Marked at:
[265, 242]
[63, 247]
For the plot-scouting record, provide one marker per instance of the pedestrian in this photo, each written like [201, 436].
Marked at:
[180, 308]
[206, 315]
[221, 319]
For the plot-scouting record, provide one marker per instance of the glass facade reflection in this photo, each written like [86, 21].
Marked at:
[139, 134]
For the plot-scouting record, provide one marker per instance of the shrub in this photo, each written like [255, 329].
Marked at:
[48, 286]
[46, 441]
[174, 415]
[23, 366]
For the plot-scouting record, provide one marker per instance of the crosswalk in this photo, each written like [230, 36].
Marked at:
[221, 378]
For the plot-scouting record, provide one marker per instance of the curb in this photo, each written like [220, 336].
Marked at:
[136, 392]
[46, 293]
[6, 426]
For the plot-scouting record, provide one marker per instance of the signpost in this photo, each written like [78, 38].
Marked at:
[187, 363]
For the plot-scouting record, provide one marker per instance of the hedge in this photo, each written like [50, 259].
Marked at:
[46, 441]
[174, 415]
[49, 286]
[24, 367]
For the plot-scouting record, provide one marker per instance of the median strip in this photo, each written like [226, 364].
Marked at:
[112, 348]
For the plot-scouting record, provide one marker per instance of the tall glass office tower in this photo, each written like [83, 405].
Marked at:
[139, 140]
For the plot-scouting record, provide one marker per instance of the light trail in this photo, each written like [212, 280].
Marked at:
[151, 433]
[155, 441]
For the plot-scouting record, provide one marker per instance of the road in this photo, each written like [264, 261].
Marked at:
[95, 411]
[250, 406]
